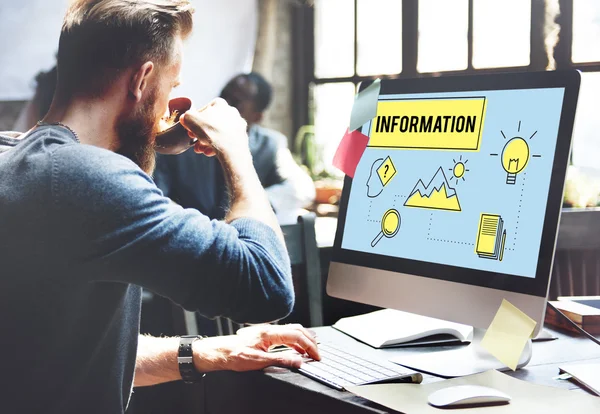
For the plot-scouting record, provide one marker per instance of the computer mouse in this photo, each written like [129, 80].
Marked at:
[467, 395]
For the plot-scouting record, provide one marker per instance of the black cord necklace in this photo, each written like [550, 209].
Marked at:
[42, 123]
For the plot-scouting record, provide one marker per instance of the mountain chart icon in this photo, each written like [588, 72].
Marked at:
[437, 195]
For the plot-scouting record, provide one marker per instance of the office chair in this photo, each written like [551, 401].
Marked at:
[301, 242]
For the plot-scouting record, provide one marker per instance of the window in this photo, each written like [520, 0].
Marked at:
[379, 37]
[586, 145]
[357, 40]
[501, 33]
[354, 40]
[334, 38]
[443, 30]
[333, 104]
[586, 31]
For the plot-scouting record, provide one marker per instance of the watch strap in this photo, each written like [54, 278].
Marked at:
[185, 361]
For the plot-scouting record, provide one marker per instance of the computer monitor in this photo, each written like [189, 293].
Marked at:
[456, 201]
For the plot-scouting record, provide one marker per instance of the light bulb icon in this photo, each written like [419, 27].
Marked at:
[515, 157]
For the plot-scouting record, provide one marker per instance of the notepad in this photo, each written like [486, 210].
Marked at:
[579, 311]
[390, 328]
[491, 237]
[586, 374]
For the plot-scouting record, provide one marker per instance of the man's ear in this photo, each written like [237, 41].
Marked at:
[139, 80]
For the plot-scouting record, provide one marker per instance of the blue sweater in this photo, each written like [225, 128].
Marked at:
[81, 230]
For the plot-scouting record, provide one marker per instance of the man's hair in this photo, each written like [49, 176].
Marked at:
[44, 91]
[264, 91]
[100, 38]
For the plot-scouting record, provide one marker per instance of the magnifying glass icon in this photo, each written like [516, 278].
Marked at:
[390, 224]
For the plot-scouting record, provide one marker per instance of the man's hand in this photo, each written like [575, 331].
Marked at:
[249, 349]
[219, 128]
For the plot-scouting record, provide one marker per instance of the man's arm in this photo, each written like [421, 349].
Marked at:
[157, 357]
[222, 132]
[123, 229]
[156, 361]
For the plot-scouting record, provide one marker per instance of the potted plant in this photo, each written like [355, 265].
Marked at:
[328, 181]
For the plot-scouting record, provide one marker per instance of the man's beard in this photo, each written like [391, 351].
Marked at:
[137, 134]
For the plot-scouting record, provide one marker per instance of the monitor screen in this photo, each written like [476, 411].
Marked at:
[457, 179]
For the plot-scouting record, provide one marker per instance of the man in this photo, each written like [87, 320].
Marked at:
[199, 183]
[83, 227]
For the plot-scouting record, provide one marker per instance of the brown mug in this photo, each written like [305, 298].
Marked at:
[175, 139]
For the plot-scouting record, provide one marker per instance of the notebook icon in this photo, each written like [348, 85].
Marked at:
[491, 237]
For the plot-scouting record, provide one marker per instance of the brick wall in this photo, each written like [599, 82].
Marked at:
[273, 59]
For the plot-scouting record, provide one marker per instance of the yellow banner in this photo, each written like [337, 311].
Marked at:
[454, 124]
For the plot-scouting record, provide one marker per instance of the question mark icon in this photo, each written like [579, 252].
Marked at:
[387, 167]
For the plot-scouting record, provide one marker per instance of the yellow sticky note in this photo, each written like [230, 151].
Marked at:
[508, 333]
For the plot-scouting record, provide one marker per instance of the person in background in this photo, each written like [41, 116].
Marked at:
[38, 106]
[84, 227]
[198, 182]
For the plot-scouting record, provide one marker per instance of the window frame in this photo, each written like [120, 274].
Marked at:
[303, 25]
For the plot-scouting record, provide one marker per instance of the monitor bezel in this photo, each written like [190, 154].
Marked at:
[538, 286]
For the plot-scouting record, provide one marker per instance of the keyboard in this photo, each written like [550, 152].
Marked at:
[339, 368]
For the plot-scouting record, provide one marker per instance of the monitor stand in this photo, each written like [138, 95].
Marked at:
[465, 360]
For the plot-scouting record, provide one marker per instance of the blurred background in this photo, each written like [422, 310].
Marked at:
[315, 54]
[222, 45]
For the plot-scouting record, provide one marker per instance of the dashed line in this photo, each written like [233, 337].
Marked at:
[451, 241]
[430, 224]
[396, 197]
[519, 211]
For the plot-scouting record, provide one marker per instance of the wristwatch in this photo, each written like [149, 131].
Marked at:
[185, 359]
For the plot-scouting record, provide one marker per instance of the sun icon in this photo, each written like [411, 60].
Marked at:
[459, 169]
